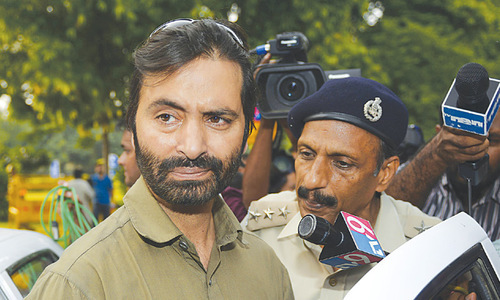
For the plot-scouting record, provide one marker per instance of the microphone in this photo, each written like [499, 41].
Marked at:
[467, 107]
[350, 242]
[472, 83]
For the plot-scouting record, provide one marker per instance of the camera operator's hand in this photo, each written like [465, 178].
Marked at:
[454, 146]
[264, 61]
[448, 148]
[257, 174]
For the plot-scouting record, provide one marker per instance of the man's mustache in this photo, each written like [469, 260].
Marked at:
[202, 162]
[317, 196]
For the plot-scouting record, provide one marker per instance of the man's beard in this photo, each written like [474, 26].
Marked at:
[318, 197]
[186, 192]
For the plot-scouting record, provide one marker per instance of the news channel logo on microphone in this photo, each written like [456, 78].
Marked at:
[284, 84]
[350, 242]
[472, 100]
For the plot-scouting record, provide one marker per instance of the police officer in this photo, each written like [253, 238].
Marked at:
[348, 133]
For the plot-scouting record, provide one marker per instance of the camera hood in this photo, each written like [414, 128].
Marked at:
[284, 85]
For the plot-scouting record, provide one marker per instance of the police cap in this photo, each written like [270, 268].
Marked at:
[360, 101]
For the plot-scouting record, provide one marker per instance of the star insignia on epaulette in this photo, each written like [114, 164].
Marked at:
[422, 227]
[254, 215]
[268, 213]
[283, 212]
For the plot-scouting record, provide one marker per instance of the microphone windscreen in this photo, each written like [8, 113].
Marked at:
[318, 231]
[472, 83]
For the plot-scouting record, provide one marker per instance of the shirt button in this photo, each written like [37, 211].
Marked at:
[332, 282]
[183, 245]
[210, 282]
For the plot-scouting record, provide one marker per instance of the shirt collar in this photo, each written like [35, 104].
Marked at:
[387, 230]
[490, 195]
[152, 223]
[291, 228]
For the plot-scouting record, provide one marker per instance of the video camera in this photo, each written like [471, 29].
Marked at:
[292, 79]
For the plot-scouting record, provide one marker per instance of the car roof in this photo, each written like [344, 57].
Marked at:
[16, 244]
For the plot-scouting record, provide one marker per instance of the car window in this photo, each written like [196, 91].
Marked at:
[470, 273]
[24, 273]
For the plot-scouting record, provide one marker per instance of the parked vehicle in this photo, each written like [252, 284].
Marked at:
[24, 255]
[453, 258]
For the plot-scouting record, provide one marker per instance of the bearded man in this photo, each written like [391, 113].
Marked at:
[192, 101]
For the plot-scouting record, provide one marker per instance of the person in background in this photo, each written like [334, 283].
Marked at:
[262, 176]
[413, 141]
[127, 159]
[267, 171]
[431, 180]
[233, 194]
[192, 98]
[103, 188]
[84, 192]
[348, 133]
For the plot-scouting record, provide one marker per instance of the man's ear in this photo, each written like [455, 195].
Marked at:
[387, 172]
[132, 140]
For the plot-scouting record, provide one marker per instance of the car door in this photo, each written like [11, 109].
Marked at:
[451, 259]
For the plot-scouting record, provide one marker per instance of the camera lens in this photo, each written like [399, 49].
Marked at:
[292, 88]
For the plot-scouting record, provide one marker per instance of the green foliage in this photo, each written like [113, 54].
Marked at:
[72, 59]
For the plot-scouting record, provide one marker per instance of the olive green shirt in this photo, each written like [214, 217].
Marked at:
[138, 253]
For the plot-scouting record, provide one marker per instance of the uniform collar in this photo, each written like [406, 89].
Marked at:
[152, 223]
[291, 228]
[387, 229]
[388, 233]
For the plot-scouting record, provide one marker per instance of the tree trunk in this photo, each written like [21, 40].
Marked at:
[105, 148]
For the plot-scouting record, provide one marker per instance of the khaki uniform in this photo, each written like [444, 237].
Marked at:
[138, 253]
[275, 219]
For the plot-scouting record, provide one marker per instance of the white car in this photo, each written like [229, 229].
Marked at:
[452, 259]
[24, 255]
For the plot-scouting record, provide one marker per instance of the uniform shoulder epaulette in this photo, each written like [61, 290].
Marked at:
[416, 224]
[271, 211]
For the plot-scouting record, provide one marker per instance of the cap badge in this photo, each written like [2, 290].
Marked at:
[373, 110]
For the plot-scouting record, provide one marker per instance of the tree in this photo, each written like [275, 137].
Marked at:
[422, 44]
[68, 62]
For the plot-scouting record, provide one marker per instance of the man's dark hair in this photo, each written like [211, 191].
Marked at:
[167, 50]
[385, 151]
[77, 173]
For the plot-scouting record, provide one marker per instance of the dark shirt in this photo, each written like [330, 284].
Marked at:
[233, 198]
[443, 203]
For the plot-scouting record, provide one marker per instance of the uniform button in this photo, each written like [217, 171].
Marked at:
[183, 245]
[332, 281]
[210, 282]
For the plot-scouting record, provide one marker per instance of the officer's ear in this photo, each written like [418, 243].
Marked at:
[387, 172]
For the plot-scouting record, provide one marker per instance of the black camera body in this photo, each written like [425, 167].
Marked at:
[284, 84]
[292, 79]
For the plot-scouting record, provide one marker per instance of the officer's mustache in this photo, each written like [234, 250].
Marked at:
[317, 196]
